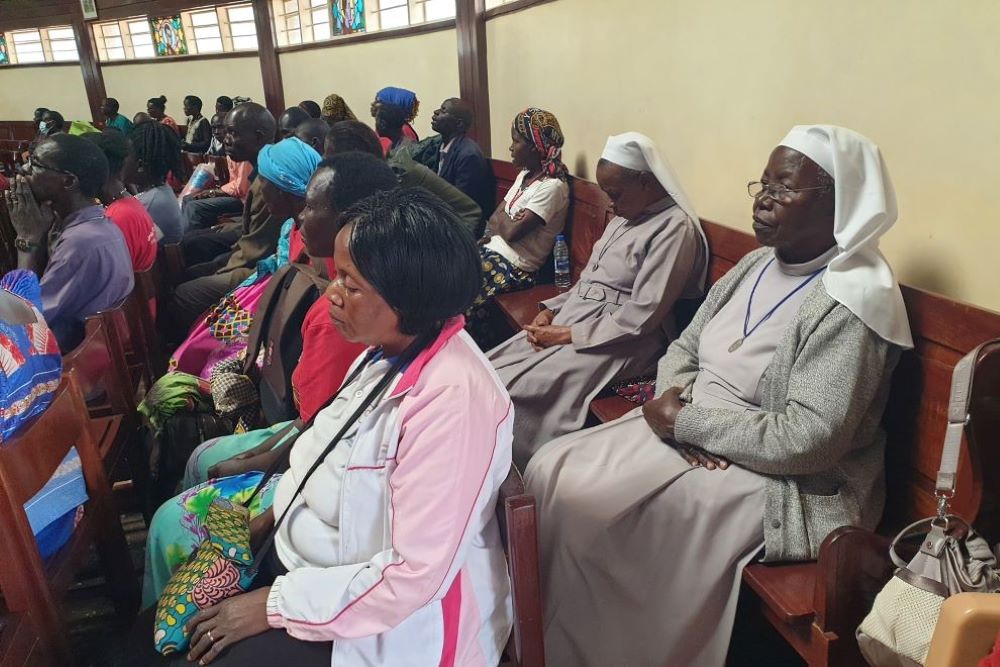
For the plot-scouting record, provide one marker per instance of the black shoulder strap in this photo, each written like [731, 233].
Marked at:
[402, 361]
[265, 310]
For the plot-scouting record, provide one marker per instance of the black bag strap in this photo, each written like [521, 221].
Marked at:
[408, 355]
[276, 286]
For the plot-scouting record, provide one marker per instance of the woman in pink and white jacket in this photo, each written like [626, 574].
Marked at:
[391, 555]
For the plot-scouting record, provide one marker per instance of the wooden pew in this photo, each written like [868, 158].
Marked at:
[519, 532]
[31, 587]
[816, 606]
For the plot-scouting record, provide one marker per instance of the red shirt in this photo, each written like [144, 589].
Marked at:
[326, 358]
[137, 227]
[4, 184]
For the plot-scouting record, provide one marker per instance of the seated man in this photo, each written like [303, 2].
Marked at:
[65, 237]
[461, 162]
[765, 435]
[203, 209]
[249, 127]
[113, 119]
[289, 120]
[313, 133]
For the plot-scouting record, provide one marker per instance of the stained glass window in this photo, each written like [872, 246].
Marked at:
[4, 58]
[348, 16]
[168, 36]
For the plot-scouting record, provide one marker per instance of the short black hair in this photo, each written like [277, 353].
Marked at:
[194, 101]
[225, 102]
[114, 145]
[356, 176]
[461, 111]
[311, 108]
[295, 117]
[158, 102]
[113, 104]
[311, 129]
[252, 117]
[159, 148]
[57, 118]
[83, 159]
[353, 135]
[414, 250]
[40, 111]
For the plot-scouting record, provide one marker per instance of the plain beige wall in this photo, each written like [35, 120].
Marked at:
[717, 83]
[426, 64]
[59, 87]
[133, 84]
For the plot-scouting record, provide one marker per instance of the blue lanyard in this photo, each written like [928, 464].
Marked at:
[746, 320]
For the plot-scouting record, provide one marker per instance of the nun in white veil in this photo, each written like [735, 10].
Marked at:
[764, 437]
[617, 320]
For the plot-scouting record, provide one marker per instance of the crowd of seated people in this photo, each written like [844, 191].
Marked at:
[762, 437]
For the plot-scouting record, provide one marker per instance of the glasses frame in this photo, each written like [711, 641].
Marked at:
[27, 169]
[779, 195]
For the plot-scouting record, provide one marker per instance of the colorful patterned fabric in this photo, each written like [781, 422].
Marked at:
[30, 371]
[219, 569]
[335, 109]
[542, 129]
[636, 391]
[223, 333]
[173, 393]
[500, 276]
[179, 526]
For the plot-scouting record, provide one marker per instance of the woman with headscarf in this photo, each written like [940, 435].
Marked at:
[199, 366]
[766, 433]
[394, 110]
[335, 109]
[521, 232]
[617, 320]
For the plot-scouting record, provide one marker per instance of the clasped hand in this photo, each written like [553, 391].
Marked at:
[31, 220]
[661, 415]
[541, 333]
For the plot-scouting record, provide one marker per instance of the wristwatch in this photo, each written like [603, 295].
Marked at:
[24, 245]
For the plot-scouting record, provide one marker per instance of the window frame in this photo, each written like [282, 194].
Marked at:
[44, 42]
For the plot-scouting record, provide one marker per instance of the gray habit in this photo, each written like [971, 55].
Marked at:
[621, 316]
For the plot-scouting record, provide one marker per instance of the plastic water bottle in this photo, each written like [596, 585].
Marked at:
[561, 255]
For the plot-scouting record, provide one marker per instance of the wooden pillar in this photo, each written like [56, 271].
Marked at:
[270, 66]
[93, 78]
[473, 79]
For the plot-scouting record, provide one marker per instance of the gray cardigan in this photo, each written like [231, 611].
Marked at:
[817, 438]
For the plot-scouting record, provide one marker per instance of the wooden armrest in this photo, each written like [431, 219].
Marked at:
[966, 630]
[786, 588]
[852, 568]
[610, 408]
[521, 307]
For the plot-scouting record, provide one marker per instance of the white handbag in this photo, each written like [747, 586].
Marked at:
[952, 559]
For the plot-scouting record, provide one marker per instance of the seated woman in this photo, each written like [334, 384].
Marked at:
[157, 154]
[338, 183]
[335, 109]
[391, 554]
[284, 169]
[127, 212]
[521, 232]
[616, 322]
[156, 107]
[394, 110]
[30, 370]
[766, 433]
[198, 136]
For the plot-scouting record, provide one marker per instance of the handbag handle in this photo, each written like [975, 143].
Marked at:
[408, 355]
[920, 527]
[958, 419]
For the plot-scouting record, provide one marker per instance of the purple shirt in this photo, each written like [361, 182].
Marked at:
[89, 270]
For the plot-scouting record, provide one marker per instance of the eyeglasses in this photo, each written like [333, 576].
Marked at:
[32, 163]
[776, 192]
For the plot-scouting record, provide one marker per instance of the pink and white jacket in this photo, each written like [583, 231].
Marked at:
[422, 579]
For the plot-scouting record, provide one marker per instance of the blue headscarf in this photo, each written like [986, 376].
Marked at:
[289, 164]
[399, 97]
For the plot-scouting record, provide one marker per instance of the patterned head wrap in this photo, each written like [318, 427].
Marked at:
[240, 100]
[335, 109]
[400, 97]
[542, 129]
[289, 164]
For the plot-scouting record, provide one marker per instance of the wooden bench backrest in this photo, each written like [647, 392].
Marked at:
[8, 253]
[99, 366]
[916, 415]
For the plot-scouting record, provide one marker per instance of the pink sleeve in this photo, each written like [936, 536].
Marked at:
[239, 180]
[447, 446]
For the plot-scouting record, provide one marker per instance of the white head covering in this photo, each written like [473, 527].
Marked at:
[865, 208]
[636, 151]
